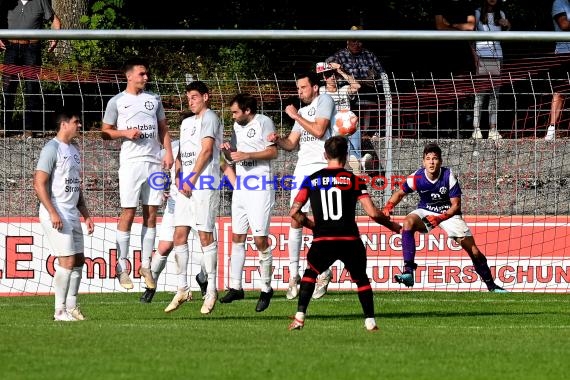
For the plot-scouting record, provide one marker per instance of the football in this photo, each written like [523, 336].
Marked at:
[345, 123]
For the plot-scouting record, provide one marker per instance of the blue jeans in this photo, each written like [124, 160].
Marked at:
[22, 60]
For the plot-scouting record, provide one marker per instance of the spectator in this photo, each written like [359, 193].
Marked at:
[137, 117]
[332, 74]
[454, 57]
[560, 11]
[25, 15]
[365, 67]
[61, 207]
[488, 61]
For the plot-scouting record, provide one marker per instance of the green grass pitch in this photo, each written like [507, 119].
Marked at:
[423, 335]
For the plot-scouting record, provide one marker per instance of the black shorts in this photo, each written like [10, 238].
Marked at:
[559, 74]
[352, 253]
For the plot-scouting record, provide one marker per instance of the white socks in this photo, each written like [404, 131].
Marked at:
[181, 258]
[123, 241]
[211, 265]
[237, 262]
[295, 236]
[157, 266]
[148, 236]
[266, 269]
[61, 284]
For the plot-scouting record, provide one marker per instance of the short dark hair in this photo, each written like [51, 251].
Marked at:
[135, 61]
[432, 148]
[245, 101]
[199, 86]
[312, 76]
[64, 115]
[336, 148]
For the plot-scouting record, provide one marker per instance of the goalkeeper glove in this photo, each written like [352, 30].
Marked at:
[435, 220]
[388, 209]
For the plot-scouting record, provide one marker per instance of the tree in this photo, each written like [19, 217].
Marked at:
[70, 13]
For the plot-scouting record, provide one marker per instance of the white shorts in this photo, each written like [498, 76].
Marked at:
[166, 232]
[68, 241]
[134, 186]
[199, 211]
[300, 173]
[252, 209]
[455, 227]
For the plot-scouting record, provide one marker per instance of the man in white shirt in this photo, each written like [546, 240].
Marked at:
[311, 129]
[198, 199]
[57, 183]
[252, 157]
[137, 117]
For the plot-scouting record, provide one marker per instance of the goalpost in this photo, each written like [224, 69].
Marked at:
[516, 195]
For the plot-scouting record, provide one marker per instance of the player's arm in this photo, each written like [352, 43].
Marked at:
[110, 132]
[41, 183]
[166, 141]
[203, 158]
[229, 172]
[395, 198]
[82, 207]
[316, 128]
[286, 143]
[377, 215]
[300, 217]
[455, 209]
[268, 153]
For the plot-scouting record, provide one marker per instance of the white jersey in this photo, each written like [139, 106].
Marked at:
[311, 149]
[143, 112]
[488, 49]
[192, 131]
[253, 138]
[63, 164]
[341, 97]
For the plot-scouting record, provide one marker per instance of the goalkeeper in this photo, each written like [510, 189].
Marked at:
[439, 205]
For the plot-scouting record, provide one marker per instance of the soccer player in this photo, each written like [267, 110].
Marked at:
[333, 192]
[311, 128]
[166, 237]
[252, 159]
[439, 205]
[57, 183]
[137, 117]
[198, 200]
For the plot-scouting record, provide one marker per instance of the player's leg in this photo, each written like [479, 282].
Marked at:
[411, 224]
[480, 263]
[237, 259]
[151, 199]
[259, 216]
[479, 98]
[64, 248]
[319, 258]
[181, 257]
[130, 183]
[78, 260]
[353, 255]
[205, 210]
[294, 240]
[148, 237]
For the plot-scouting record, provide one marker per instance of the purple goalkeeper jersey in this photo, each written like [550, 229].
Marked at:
[434, 195]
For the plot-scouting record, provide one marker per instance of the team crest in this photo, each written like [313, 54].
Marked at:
[312, 111]
[443, 190]
[76, 158]
[193, 131]
[149, 105]
[251, 133]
